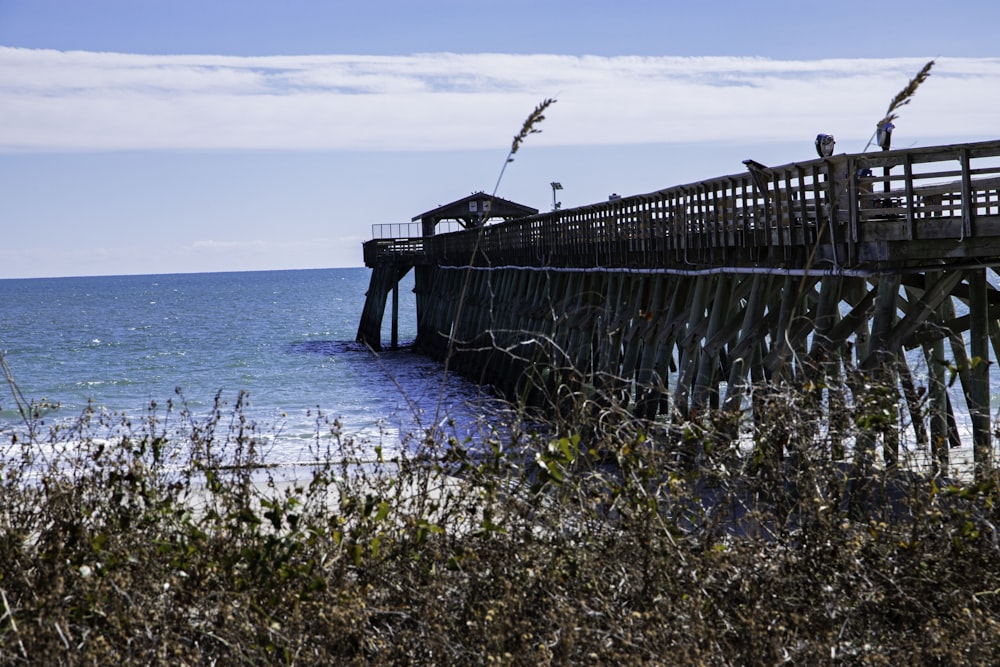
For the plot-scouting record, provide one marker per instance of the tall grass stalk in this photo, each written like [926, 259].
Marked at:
[528, 127]
[902, 98]
[140, 545]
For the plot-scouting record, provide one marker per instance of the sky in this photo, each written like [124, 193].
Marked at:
[170, 136]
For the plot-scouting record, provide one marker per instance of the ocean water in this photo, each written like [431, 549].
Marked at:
[120, 343]
[286, 338]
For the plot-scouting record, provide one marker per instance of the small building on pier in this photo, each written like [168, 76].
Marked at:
[393, 251]
[473, 211]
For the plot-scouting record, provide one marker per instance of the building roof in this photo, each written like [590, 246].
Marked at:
[472, 209]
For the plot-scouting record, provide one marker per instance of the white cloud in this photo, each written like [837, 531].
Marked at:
[227, 246]
[65, 101]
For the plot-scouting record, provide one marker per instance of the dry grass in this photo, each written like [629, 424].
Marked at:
[141, 546]
[529, 127]
[904, 96]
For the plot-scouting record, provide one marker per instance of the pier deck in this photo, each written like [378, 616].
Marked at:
[683, 299]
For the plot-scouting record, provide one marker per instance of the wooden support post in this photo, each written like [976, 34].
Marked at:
[637, 299]
[979, 397]
[663, 362]
[688, 349]
[395, 314]
[513, 333]
[961, 362]
[709, 362]
[826, 315]
[910, 392]
[993, 296]
[785, 303]
[912, 401]
[739, 369]
[885, 405]
[743, 356]
[864, 306]
[647, 383]
[384, 278]
[578, 318]
[825, 366]
[937, 390]
[839, 421]
[617, 322]
[422, 282]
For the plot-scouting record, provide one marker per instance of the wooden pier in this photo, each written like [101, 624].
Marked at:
[824, 275]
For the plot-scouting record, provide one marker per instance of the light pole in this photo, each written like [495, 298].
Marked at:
[555, 186]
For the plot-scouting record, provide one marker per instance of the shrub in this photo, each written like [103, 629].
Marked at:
[134, 543]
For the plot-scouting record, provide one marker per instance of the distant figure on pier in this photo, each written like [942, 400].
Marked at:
[884, 135]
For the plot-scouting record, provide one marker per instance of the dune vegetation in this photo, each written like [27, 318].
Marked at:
[167, 539]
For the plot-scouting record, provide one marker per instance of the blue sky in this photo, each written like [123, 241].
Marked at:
[149, 136]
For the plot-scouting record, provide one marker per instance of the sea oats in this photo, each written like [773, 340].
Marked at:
[901, 99]
[530, 126]
[904, 96]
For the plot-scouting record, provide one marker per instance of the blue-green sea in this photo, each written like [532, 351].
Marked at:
[121, 343]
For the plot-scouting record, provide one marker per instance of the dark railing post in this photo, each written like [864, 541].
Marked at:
[851, 181]
[910, 218]
[395, 310]
[968, 201]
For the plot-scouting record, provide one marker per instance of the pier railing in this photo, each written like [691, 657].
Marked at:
[845, 211]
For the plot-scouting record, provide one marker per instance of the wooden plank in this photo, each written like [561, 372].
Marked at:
[688, 349]
[803, 213]
[826, 315]
[665, 338]
[647, 382]
[979, 397]
[937, 405]
[881, 363]
[968, 204]
[912, 398]
[825, 366]
[709, 362]
[741, 355]
[394, 334]
[781, 347]
[639, 294]
[961, 362]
